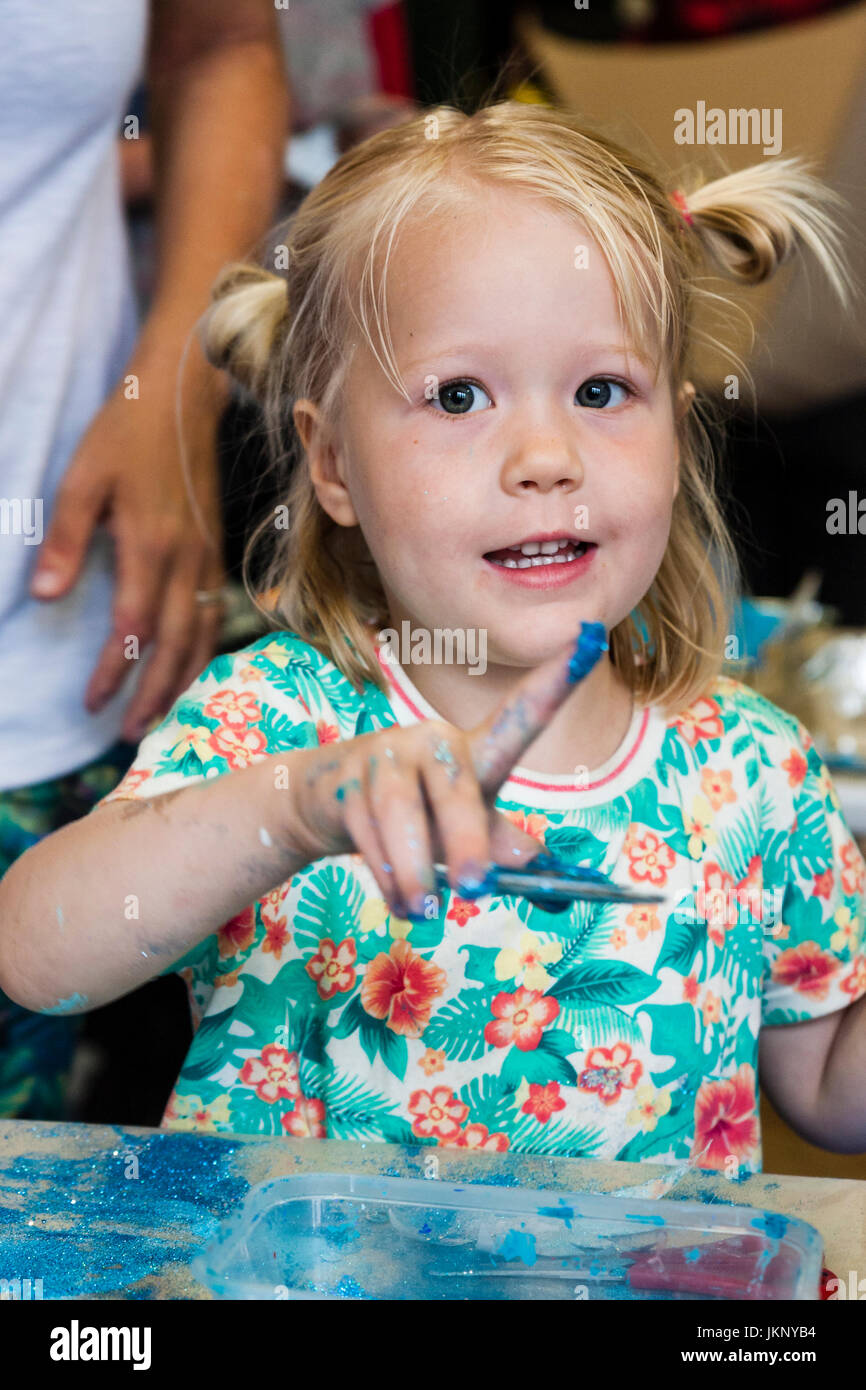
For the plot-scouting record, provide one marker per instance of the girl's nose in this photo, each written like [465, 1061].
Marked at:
[545, 462]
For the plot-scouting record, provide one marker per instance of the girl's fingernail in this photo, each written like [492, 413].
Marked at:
[591, 642]
[472, 878]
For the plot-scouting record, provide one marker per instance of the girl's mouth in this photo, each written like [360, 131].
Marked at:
[538, 554]
[542, 564]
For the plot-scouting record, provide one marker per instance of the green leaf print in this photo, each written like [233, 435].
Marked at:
[220, 669]
[351, 1019]
[574, 843]
[682, 941]
[458, 1028]
[294, 982]
[599, 1025]
[191, 715]
[490, 1102]
[211, 1048]
[329, 905]
[555, 1137]
[674, 1027]
[605, 981]
[811, 845]
[284, 733]
[250, 1115]
[674, 753]
[543, 1064]
[376, 1038]
[480, 961]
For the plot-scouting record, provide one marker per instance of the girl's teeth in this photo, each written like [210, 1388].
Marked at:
[560, 558]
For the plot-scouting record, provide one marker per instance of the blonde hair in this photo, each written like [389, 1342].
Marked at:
[284, 338]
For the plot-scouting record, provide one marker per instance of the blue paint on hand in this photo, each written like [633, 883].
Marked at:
[63, 1006]
[590, 644]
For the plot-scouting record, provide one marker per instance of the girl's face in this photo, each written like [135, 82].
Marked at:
[541, 434]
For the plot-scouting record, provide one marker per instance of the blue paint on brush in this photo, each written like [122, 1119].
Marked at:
[590, 644]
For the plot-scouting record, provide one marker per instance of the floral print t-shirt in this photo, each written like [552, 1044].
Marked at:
[616, 1031]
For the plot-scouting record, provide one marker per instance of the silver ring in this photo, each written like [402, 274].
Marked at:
[212, 595]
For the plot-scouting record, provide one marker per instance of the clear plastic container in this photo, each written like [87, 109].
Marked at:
[335, 1235]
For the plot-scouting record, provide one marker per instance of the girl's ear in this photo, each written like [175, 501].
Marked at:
[326, 470]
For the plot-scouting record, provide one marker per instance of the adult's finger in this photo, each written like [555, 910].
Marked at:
[176, 628]
[77, 509]
[142, 570]
[498, 743]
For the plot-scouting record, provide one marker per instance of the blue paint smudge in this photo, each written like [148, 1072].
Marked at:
[647, 1220]
[519, 1245]
[772, 1222]
[590, 644]
[692, 1255]
[563, 1212]
[75, 1001]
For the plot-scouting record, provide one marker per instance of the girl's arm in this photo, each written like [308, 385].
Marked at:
[108, 902]
[111, 900]
[815, 1075]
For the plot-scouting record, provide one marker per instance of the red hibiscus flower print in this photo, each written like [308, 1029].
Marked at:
[437, 1112]
[333, 967]
[716, 904]
[716, 786]
[796, 767]
[401, 987]
[460, 911]
[237, 934]
[609, 1071]
[239, 749]
[725, 1120]
[855, 983]
[807, 967]
[700, 720]
[519, 1018]
[853, 868]
[650, 857]
[273, 904]
[823, 885]
[307, 1120]
[273, 1075]
[133, 779]
[534, 824]
[234, 708]
[327, 733]
[543, 1101]
[690, 988]
[750, 890]
[276, 937]
[478, 1137]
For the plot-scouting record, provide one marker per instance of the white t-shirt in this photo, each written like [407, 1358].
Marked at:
[68, 318]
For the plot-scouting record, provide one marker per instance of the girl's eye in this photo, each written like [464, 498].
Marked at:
[460, 398]
[597, 392]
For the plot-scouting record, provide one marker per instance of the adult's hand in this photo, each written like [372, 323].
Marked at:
[127, 475]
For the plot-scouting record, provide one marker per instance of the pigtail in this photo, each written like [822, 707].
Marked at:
[752, 221]
[246, 324]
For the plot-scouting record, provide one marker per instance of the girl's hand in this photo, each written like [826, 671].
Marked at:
[407, 797]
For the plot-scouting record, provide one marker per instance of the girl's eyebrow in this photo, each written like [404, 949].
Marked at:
[586, 349]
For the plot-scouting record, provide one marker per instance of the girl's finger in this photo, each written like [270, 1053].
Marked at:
[361, 826]
[395, 799]
[457, 807]
[499, 742]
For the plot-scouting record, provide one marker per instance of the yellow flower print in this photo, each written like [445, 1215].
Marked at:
[374, 914]
[191, 1112]
[651, 1104]
[521, 1095]
[399, 928]
[277, 654]
[848, 935]
[196, 741]
[699, 825]
[711, 1009]
[530, 959]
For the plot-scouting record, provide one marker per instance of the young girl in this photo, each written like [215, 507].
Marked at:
[483, 339]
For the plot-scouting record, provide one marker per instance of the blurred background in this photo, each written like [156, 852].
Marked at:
[354, 66]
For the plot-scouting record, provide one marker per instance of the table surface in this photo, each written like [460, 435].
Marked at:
[102, 1211]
